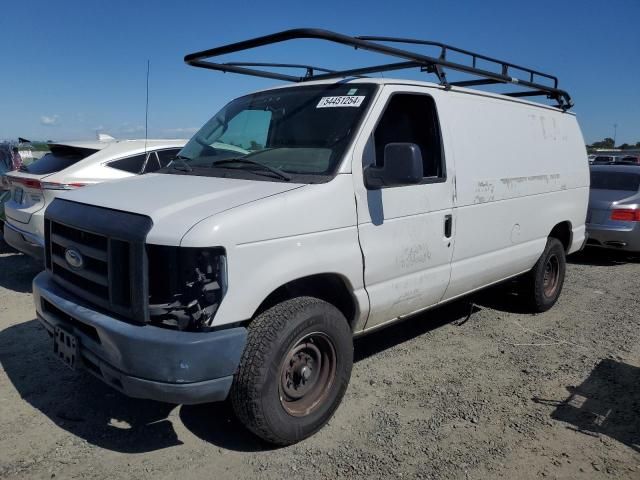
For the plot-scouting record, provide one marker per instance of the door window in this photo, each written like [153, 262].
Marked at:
[130, 164]
[412, 118]
[165, 156]
[152, 163]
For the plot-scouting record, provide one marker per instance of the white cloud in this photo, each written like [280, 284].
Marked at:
[128, 129]
[49, 121]
[183, 131]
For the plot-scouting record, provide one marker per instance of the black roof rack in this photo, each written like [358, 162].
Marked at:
[531, 80]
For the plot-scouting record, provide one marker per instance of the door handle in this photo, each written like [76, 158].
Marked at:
[448, 225]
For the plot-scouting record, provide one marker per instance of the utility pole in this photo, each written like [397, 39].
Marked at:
[615, 132]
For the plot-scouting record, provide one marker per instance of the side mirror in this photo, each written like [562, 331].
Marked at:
[402, 166]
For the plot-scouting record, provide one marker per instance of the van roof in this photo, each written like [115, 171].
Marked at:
[417, 83]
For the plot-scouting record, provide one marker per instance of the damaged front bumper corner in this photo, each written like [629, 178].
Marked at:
[143, 361]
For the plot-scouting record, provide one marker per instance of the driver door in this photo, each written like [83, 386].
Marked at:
[406, 232]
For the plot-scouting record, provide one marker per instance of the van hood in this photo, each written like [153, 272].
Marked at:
[176, 202]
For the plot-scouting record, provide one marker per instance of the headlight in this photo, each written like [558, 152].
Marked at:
[186, 285]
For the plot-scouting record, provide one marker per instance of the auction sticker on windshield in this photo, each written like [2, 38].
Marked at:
[342, 101]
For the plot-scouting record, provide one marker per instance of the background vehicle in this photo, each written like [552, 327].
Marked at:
[615, 159]
[8, 160]
[4, 196]
[613, 219]
[632, 159]
[604, 159]
[30, 151]
[350, 204]
[68, 166]
[5, 166]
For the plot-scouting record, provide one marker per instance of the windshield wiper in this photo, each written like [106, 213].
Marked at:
[253, 163]
[182, 165]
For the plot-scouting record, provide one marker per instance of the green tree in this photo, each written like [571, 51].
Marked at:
[606, 143]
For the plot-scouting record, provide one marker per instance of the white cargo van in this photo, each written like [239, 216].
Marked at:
[303, 215]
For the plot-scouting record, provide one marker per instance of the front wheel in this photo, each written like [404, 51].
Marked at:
[294, 370]
[544, 282]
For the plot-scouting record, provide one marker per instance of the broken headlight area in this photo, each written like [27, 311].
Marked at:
[186, 286]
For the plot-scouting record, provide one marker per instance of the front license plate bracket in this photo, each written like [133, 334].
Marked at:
[65, 347]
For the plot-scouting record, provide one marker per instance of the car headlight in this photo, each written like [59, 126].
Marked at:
[186, 285]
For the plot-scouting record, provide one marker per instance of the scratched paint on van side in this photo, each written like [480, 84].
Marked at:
[484, 192]
[413, 255]
[489, 190]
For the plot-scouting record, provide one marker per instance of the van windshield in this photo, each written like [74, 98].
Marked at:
[298, 133]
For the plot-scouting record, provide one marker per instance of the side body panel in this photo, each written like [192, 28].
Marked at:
[520, 170]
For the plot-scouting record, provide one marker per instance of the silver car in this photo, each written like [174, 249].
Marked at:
[613, 219]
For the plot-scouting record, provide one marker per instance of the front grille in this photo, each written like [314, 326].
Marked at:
[103, 259]
[111, 244]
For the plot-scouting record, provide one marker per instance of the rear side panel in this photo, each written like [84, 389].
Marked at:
[26, 197]
[520, 170]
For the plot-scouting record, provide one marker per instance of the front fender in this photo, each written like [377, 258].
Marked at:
[307, 231]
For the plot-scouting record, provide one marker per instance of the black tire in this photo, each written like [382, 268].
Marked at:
[261, 387]
[543, 284]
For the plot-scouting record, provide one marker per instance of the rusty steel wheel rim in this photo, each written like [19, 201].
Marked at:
[307, 374]
[551, 277]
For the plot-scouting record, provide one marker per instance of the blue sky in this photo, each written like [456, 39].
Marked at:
[71, 67]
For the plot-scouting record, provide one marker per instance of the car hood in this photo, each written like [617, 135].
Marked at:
[176, 202]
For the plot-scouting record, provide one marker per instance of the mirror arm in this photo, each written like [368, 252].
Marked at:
[374, 176]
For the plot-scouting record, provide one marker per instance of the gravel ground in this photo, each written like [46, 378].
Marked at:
[478, 389]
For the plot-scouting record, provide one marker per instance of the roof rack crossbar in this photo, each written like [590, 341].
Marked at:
[309, 68]
[357, 72]
[225, 67]
[473, 83]
[505, 66]
[530, 93]
[437, 65]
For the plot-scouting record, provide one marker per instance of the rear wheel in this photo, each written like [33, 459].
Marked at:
[294, 371]
[544, 282]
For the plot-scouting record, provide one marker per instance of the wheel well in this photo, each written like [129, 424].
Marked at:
[326, 286]
[562, 232]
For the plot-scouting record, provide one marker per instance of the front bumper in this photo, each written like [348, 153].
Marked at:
[23, 241]
[143, 361]
[615, 237]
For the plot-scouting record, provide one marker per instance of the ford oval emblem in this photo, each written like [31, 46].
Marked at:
[73, 258]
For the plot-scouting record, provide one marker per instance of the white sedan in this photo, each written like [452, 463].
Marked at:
[73, 165]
